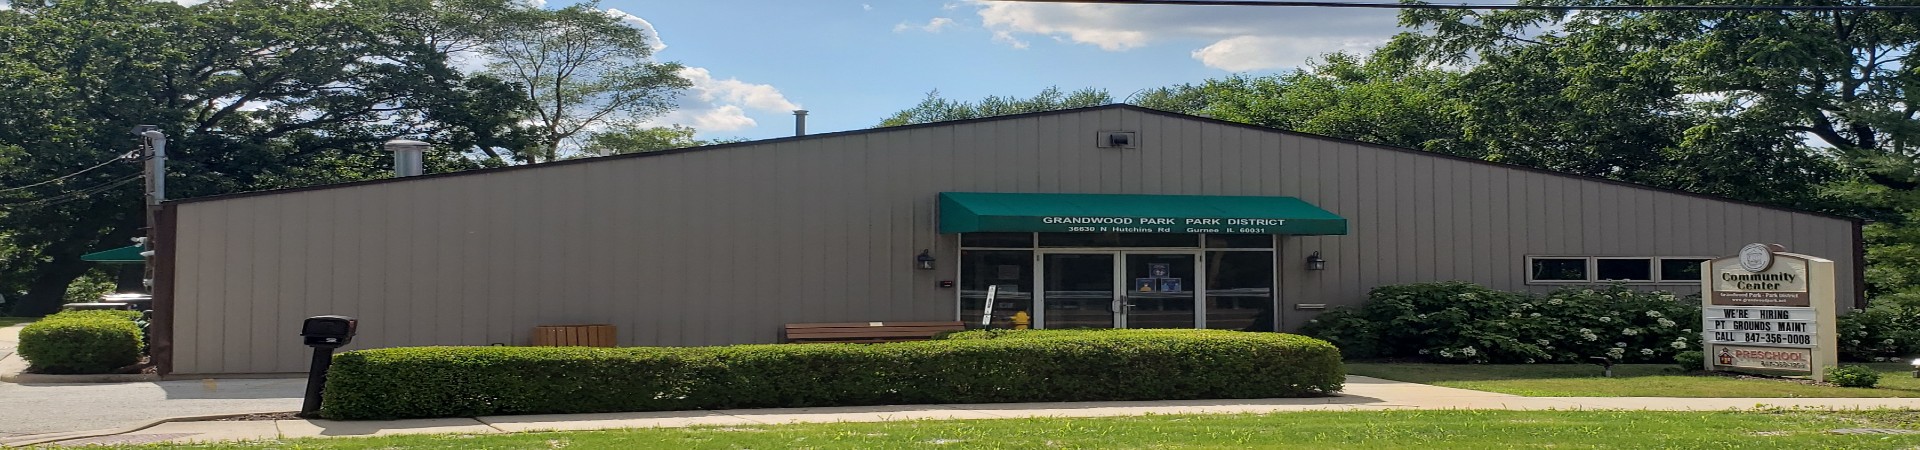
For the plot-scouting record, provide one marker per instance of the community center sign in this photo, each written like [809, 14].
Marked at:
[1770, 311]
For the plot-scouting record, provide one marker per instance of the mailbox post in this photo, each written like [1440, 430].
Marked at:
[323, 333]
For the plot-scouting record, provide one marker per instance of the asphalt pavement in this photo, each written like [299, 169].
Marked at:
[35, 408]
[53, 408]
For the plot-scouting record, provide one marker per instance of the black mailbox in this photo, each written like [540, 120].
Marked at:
[328, 331]
[323, 333]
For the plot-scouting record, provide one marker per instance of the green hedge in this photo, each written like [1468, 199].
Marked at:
[476, 381]
[81, 342]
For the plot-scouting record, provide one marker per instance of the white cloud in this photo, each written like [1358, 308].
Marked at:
[933, 26]
[732, 90]
[722, 118]
[713, 104]
[866, 7]
[1244, 53]
[1228, 38]
[1006, 37]
[469, 61]
[646, 28]
[536, 3]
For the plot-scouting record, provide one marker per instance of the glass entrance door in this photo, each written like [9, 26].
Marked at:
[1161, 291]
[1079, 290]
[1148, 289]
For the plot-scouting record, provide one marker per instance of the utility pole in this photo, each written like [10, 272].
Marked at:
[153, 150]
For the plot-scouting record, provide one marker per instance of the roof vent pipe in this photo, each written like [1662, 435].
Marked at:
[407, 156]
[799, 122]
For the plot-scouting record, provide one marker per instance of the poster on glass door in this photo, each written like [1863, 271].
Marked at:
[1155, 284]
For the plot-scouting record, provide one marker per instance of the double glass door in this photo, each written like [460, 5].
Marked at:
[1119, 289]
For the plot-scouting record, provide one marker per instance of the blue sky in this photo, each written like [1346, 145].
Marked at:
[852, 63]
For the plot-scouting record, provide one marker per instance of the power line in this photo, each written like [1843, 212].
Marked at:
[1325, 4]
[72, 196]
[71, 175]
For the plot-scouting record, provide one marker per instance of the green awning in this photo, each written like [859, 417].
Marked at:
[123, 255]
[968, 212]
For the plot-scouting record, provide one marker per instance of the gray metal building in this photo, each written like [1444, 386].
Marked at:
[1113, 216]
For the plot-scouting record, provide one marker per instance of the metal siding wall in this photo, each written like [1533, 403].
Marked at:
[724, 245]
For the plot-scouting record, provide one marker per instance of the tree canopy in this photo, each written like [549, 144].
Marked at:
[582, 70]
[936, 108]
[254, 94]
[1340, 94]
[1757, 105]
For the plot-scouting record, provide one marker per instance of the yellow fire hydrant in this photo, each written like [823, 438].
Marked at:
[1020, 320]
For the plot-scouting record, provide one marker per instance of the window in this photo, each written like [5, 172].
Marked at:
[1613, 269]
[1118, 240]
[997, 240]
[1240, 290]
[1557, 269]
[1010, 270]
[1680, 270]
[1261, 241]
[1623, 269]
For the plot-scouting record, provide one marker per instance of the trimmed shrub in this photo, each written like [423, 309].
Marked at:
[112, 313]
[81, 342]
[1853, 376]
[1466, 323]
[1096, 333]
[1691, 360]
[971, 367]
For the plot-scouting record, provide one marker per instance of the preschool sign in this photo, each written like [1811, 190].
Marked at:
[1769, 310]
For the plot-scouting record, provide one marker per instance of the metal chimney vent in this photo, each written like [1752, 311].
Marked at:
[408, 156]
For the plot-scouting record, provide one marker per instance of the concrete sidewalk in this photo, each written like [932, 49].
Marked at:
[1361, 394]
[9, 339]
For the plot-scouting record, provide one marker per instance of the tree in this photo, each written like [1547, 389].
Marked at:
[255, 94]
[636, 140]
[937, 109]
[1745, 89]
[1341, 95]
[582, 70]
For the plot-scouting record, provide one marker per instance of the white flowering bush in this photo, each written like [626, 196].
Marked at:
[1467, 323]
[1879, 333]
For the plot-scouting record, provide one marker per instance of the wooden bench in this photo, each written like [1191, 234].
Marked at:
[867, 332]
[575, 336]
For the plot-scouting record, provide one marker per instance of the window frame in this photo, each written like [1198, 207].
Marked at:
[1593, 270]
[1527, 270]
[1658, 278]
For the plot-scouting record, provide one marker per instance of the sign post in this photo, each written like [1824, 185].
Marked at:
[1769, 311]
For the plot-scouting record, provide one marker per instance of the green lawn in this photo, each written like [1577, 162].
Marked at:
[11, 321]
[1630, 380]
[1307, 430]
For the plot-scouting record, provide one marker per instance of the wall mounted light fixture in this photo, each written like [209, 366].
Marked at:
[1315, 262]
[925, 260]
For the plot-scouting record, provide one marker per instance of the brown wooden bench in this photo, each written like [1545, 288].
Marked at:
[867, 332]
